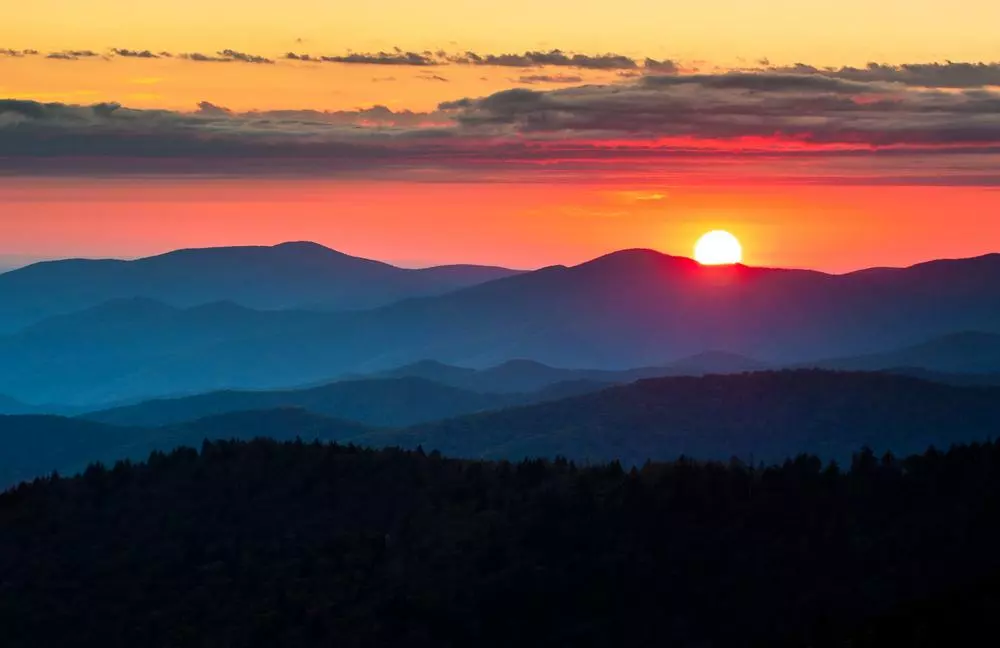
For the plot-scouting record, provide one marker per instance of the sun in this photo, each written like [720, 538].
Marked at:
[718, 248]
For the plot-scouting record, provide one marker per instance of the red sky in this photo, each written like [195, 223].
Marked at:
[520, 224]
[126, 132]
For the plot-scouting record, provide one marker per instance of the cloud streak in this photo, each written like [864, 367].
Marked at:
[928, 75]
[805, 108]
[12, 53]
[127, 53]
[550, 78]
[948, 74]
[72, 55]
[226, 56]
[667, 119]
[395, 57]
[552, 58]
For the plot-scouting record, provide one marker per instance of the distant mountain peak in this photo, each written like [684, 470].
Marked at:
[302, 245]
[313, 248]
[521, 363]
[638, 254]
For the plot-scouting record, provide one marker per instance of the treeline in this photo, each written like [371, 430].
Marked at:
[295, 544]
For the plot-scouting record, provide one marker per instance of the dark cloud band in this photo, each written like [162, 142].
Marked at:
[661, 117]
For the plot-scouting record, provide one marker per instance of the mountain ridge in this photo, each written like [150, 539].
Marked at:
[767, 416]
[650, 307]
[286, 275]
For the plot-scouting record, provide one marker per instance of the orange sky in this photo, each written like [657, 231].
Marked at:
[520, 225]
[520, 180]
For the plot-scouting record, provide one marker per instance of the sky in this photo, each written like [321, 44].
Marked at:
[826, 135]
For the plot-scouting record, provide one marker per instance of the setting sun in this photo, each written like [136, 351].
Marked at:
[718, 248]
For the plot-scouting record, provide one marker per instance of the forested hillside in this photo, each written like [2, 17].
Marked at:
[269, 544]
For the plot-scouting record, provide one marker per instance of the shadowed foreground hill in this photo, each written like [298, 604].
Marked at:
[766, 415]
[264, 544]
[31, 446]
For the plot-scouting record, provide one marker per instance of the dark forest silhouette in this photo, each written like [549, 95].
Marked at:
[262, 543]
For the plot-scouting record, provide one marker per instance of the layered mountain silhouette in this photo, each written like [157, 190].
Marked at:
[392, 402]
[528, 375]
[760, 416]
[13, 406]
[290, 275]
[635, 308]
[764, 417]
[969, 352]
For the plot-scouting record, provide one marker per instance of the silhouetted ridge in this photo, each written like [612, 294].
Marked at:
[380, 402]
[631, 309]
[764, 415]
[969, 352]
[288, 275]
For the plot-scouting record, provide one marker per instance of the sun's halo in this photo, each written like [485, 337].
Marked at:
[718, 247]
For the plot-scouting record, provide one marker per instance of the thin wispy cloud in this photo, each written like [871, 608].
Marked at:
[72, 55]
[127, 53]
[550, 78]
[395, 57]
[947, 74]
[930, 75]
[552, 58]
[226, 56]
[13, 53]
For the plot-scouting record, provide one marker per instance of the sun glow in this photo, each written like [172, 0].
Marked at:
[718, 248]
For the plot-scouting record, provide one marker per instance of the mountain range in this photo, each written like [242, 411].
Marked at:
[635, 308]
[290, 275]
[764, 416]
[529, 375]
[390, 402]
[967, 352]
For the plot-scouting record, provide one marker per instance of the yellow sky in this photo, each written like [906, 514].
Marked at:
[726, 33]
[818, 31]
[179, 85]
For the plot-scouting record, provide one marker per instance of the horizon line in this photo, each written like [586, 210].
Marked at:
[32, 260]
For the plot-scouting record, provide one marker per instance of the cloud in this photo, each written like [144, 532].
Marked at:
[244, 57]
[530, 59]
[12, 53]
[226, 56]
[947, 74]
[210, 109]
[663, 122]
[204, 58]
[72, 55]
[395, 57]
[665, 66]
[550, 78]
[553, 58]
[803, 108]
[127, 53]
[931, 75]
